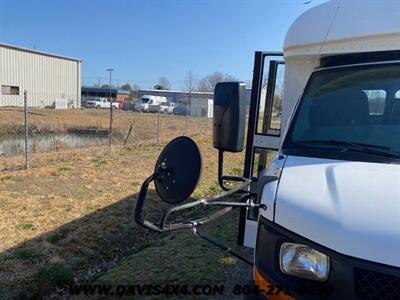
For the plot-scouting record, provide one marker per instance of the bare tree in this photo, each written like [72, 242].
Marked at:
[211, 80]
[203, 86]
[126, 87]
[164, 83]
[107, 86]
[190, 82]
[207, 83]
[133, 90]
[228, 77]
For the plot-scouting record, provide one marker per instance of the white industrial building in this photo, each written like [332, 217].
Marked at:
[49, 79]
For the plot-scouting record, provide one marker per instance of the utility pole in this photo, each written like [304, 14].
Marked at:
[26, 130]
[111, 113]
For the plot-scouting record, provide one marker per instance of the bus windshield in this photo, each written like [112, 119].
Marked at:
[352, 108]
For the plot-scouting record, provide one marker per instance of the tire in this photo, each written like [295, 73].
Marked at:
[98, 106]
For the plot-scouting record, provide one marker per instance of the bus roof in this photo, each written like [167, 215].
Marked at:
[343, 26]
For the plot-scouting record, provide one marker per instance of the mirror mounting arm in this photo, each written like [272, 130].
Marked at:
[221, 177]
[163, 226]
[221, 246]
[140, 202]
[209, 201]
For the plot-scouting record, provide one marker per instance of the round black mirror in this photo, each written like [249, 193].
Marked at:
[179, 166]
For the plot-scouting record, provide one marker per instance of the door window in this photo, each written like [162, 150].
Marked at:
[266, 111]
[270, 108]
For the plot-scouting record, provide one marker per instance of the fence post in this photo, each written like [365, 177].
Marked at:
[110, 130]
[158, 127]
[26, 130]
[128, 134]
[187, 117]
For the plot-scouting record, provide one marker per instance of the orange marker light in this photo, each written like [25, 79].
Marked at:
[267, 289]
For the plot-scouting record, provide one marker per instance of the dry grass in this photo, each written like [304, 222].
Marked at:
[71, 214]
[50, 121]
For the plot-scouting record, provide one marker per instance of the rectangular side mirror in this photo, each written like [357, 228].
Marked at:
[229, 116]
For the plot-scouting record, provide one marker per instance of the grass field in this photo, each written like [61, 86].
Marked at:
[69, 218]
[47, 122]
[180, 258]
[51, 120]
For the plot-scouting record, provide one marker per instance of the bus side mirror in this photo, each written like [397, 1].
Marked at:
[229, 116]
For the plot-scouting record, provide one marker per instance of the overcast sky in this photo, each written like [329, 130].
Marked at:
[143, 40]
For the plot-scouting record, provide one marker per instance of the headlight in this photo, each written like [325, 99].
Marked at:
[303, 261]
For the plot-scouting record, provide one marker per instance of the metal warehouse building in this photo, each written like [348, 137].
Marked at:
[49, 79]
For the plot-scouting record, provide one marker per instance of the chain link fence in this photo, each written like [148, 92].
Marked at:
[28, 133]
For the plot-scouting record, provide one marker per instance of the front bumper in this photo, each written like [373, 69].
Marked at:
[349, 278]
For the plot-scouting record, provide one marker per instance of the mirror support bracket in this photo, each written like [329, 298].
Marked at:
[210, 201]
[221, 246]
[221, 177]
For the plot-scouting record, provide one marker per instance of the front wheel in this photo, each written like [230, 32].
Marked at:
[98, 106]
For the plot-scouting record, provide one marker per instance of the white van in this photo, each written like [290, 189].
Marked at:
[147, 100]
[322, 210]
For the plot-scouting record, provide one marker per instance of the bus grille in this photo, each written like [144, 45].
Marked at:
[370, 285]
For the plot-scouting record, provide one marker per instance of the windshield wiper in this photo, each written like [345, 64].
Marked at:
[355, 146]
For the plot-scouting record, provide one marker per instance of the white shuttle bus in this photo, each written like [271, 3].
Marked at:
[320, 191]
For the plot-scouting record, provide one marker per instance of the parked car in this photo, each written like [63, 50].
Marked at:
[132, 105]
[153, 108]
[116, 104]
[180, 110]
[91, 103]
[167, 107]
[84, 100]
[100, 103]
[164, 107]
